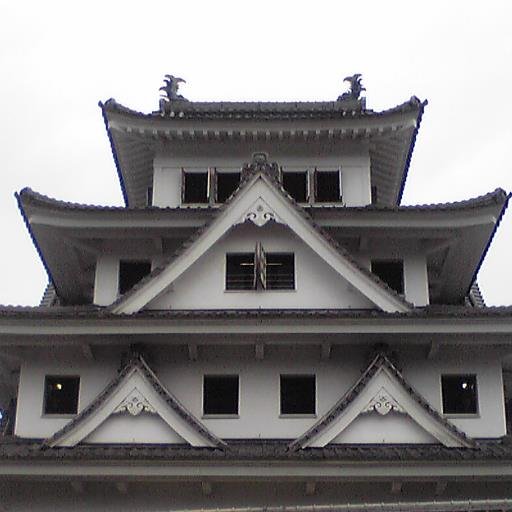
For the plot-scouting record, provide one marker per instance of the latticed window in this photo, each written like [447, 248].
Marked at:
[260, 270]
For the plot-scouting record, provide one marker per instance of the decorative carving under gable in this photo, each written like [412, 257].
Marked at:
[134, 404]
[383, 403]
[260, 213]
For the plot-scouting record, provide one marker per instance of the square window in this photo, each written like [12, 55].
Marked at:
[280, 271]
[227, 183]
[296, 184]
[459, 394]
[220, 394]
[240, 271]
[298, 394]
[61, 394]
[327, 186]
[391, 272]
[195, 187]
[131, 272]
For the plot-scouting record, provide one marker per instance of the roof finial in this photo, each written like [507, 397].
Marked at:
[170, 89]
[355, 90]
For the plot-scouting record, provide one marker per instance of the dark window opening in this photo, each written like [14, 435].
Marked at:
[298, 394]
[227, 183]
[459, 394]
[296, 184]
[240, 271]
[280, 273]
[149, 196]
[195, 187]
[391, 272]
[327, 186]
[220, 394]
[61, 395]
[131, 272]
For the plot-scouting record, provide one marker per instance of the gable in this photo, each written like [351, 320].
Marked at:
[126, 428]
[380, 391]
[260, 201]
[134, 399]
[316, 284]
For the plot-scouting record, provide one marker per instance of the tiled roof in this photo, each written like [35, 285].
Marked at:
[13, 448]
[136, 361]
[498, 196]
[380, 360]
[268, 110]
[102, 313]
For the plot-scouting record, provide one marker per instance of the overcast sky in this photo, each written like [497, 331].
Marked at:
[58, 59]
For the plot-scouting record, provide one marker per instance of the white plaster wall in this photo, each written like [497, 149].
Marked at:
[259, 389]
[352, 158]
[392, 428]
[416, 279]
[106, 281]
[125, 428]
[317, 285]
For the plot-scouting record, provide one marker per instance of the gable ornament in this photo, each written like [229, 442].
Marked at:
[383, 403]
[134, 404]
[259, 213]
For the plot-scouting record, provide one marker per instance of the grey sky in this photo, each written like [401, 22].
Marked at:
[58, 59]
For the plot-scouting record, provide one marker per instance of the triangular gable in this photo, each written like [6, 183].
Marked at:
[260, 200]
[381, 389]
[136, 390]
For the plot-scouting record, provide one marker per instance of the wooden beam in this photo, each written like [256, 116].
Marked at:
[206, 488]
[77, 486]
[396, 487]
[87, 351]
[259, 351]
[122, 487]
[433, 350]
[326, 350]
[310, 488]
[440, 487]
[192, 351]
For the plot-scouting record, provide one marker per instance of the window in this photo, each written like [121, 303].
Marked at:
[131, 272]
[260, 270]
[240, 271]
[227, 183]
[296, 184]
[280, 273]
[391, 272]
[298, 394]
[149, 196]
[459, 394]
[327, 186]
[195, 187]
[220, 394]
[61, 394]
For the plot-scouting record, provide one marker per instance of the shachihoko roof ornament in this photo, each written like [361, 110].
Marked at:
[170, 89]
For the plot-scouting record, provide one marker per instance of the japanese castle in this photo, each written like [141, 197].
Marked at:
[262, 327]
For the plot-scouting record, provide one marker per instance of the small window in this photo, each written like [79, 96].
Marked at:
[280, 273]
[296, 184]
[131, 272]
[240, 271]
[149, 196]
[195, 187]
[61, 395]
[298, 394]
[391, 272]
[227, 183]
[220, 394]
[327, 186]
[459, 394]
